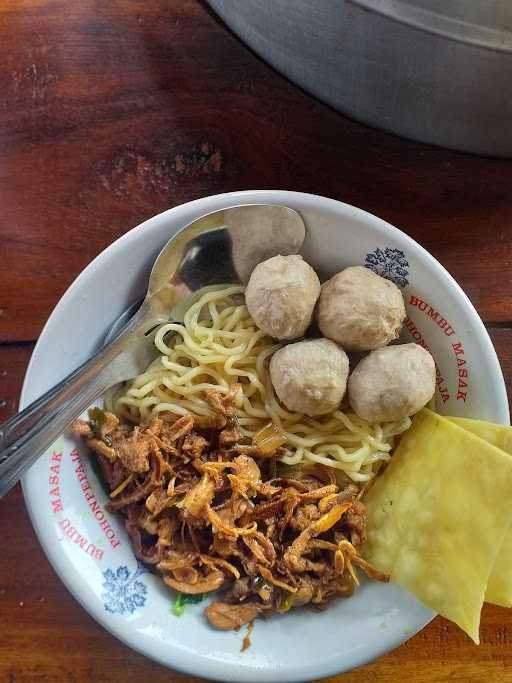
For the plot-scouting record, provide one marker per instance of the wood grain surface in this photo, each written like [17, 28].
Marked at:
[113, 111]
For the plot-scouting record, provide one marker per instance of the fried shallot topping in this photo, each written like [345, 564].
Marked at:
[207, 511]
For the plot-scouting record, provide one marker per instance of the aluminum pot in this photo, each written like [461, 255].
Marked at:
[438, 71]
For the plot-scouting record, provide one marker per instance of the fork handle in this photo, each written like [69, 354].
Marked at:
[25, 436]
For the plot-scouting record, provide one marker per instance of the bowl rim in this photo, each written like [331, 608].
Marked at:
[243, 197]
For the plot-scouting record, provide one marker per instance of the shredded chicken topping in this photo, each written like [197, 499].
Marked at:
[210, 513]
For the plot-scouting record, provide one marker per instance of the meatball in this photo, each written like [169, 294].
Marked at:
[281, 296]
[393, 382]
[310, 376]
[360, 310]
[254, 239]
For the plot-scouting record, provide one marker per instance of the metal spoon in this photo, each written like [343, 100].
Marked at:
[219, 248]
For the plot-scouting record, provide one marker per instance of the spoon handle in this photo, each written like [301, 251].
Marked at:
[28, 434]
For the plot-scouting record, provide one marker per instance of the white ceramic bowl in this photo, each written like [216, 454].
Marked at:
[88, 546]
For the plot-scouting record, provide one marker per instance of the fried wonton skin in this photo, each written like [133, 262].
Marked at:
[499, 586]
[438, 515]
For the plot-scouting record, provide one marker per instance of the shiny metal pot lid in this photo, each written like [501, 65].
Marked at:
[437, 71]
[480, 22]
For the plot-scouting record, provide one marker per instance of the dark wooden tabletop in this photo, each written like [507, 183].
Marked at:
[111, 112]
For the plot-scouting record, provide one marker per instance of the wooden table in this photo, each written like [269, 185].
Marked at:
[114, 111]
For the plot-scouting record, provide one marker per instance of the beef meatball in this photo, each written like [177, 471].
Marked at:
[360, 310]
[391, 383]
[310, 376]
[253, 240]
[281, 296]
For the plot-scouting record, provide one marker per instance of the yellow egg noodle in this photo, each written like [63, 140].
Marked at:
[218, 346]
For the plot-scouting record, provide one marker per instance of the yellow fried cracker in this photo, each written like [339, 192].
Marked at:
[438, 514]
[499, 586]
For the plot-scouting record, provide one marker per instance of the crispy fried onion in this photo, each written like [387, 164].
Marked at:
[210, 516]
[196, 573]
